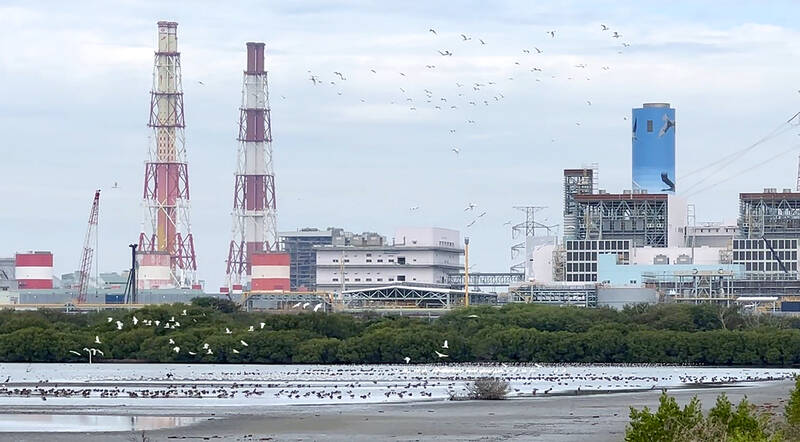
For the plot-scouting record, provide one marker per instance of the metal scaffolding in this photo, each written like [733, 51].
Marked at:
[410, 296]
[642, 218]
[770, 214]
[478, 280]
[584, 295]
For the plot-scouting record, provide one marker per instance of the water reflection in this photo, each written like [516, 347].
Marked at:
[83, 422]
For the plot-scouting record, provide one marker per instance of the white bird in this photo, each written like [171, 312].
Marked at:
[441, 355]
[407, 359]
[262, 324]
[135, 320]
[176, 349]
[183, 313]
[252, 328]
[235, 351]
[157, 322]
[243, 343]
[110, 319]
[75, 352]
[228, 331]
[445, 344]
[192, 353]
[97, 340]
[317, 307]
[95, 351]
[297, 305]
[172, 319]
[119, 325]
[171, 341]
[166, 325]
[306, 304]
[205, 346]
[472, 316]
[456, 150]
[471, 206]
[176, 324]
[209, 352]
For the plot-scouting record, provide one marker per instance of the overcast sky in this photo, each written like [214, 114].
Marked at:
[75, 77]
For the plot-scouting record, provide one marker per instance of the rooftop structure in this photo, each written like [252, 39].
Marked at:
[302, 255]
[769, 213]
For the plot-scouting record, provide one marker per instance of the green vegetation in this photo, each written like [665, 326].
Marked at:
[724, 422]
[695, 334]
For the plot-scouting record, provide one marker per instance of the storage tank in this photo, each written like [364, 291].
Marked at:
[34, 270]
[653, 140]
[270, 271]
[154, 270]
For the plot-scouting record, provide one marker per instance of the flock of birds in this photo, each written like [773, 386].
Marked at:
[469, 95]
[172, 323]
[369, 384]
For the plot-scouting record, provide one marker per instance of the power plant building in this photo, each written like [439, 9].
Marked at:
[653, 139]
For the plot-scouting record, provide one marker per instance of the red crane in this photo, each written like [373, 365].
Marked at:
[88, 251]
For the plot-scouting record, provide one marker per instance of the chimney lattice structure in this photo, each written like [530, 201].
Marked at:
[254, 210]
[167, 229]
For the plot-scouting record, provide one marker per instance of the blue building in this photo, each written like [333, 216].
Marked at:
[654, 148]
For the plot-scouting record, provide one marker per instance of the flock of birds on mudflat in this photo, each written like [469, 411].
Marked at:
[371, 384]
[469, 95]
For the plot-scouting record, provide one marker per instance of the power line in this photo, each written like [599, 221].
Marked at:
[727, 160]
[755, 166]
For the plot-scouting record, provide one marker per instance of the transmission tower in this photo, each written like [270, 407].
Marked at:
[88, 251]
[254, 210]
[526, 230]
[166, 177]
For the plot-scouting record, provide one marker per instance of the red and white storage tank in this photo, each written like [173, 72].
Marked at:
[270, 272]
[34, 270]
[154, 271]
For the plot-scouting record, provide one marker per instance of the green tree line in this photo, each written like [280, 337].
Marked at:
[694, 334]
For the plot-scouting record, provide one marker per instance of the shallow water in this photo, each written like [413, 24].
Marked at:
[14, 423]
[198, 388]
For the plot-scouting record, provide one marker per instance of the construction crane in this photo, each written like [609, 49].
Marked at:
[88, 251]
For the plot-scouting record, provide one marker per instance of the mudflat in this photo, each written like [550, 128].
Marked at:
[595, 417]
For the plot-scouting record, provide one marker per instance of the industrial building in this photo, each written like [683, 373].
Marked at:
[416, 256]
[300, 246]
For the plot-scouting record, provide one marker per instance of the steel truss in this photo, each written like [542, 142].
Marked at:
[456, 281]
[584, 295]
[769, 214]
[643, 220]
[409, 296]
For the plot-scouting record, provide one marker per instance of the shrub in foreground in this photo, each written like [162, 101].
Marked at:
[487, 388]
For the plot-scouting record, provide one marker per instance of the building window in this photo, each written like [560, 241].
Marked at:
[358, 279]
[346, 260]
[401, 259]
[369, 254]
[335, 260]
[369, 260]
[649, 125]
[380, 260]
[401, 277]
[391, 259]
[380, 279]
[391, 279]
[368, 280]
[335, 280]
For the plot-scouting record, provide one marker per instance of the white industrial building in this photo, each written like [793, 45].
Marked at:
[416, 256]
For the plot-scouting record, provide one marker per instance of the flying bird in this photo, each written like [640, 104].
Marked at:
[119, 325]
[262, 324]
[445, 53]
[111, 319]
[603, 27]
[235, 351]
[472, 316]
[75, 352]
[200, 83]
[616, 34]
[526, 51]
[441, 355]
[297, 305]
[433, 31]
[306, 304]
[135, 320]
[97, 340]
[252, 328]
[465, 38]
[470, 206]
[552, 34]
[445, 344]
[317, 307]
[538, 51]
[176, 349]
[243, 343]
[482, 42]
[413, 208]
[228, 331]
[456, 150]
[407, 359]
[183, 313]
[171, 341]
